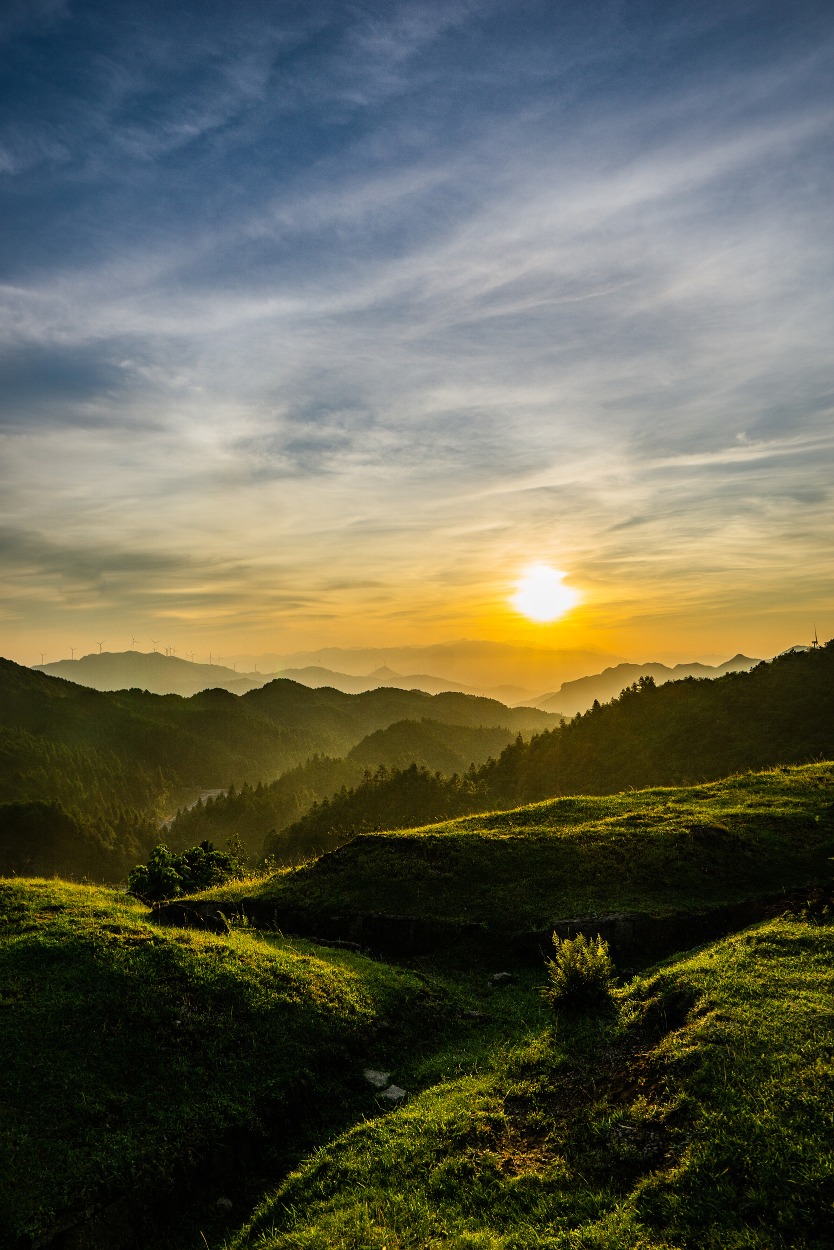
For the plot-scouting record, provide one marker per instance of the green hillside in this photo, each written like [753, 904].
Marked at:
[655, 852]
[259, 814]
[676, 734]
[146, 1072]
[442, 748]
[681, 732]
[117, 761]
[696, 1116]
[160, 1084]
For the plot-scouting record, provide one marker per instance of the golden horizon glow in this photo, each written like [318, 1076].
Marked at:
[541, 595]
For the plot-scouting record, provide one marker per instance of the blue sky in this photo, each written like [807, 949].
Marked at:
[320, 321]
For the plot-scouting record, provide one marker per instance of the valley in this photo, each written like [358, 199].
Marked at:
[198, 1071]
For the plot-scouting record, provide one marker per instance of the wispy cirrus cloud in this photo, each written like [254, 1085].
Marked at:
[429, 289]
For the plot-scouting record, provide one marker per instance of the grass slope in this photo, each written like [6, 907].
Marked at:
[141, 1067]
[656, 851]
[698, 1116]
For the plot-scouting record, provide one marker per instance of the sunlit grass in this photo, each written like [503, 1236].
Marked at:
[699, 1117]
[132, 1053]
[659, 851]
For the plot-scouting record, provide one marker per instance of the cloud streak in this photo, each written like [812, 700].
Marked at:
[424, 292]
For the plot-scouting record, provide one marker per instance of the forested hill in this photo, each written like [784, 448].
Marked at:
[680, 733]
[781, 712]
[119, 759]
[211, 739]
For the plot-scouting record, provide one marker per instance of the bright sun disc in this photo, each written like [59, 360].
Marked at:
[541, 596]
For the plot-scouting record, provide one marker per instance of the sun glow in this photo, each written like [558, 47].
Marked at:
[541, 596]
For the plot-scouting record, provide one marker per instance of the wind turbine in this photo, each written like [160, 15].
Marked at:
[191, 655]
[43, 656]
[101, 644]
[816, 641]
[172, 650]
[154, 644]
[210, 659]
[72, 652]
[133, 642]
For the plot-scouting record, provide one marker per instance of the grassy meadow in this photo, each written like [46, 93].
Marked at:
[173, 1067]
[174, 1088]
[653, 851]
[696, 1115]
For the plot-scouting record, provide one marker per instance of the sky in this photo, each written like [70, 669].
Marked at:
[320, 322]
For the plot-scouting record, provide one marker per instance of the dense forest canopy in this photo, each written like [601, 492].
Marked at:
[117, 762]
[680, 733]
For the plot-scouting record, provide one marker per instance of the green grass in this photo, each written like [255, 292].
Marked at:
[148, 1071]
[162, 1064]
[698, 1116]
[657, 851]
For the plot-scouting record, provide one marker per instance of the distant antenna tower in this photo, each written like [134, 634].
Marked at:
[154, 644]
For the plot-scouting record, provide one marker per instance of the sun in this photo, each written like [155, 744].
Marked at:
[541, 596]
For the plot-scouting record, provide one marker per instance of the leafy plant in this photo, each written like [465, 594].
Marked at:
[581, 974]
[167, 875]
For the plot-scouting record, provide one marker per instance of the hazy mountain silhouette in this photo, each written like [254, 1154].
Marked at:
[160, 674]
[477, 665]
[578, 696]
[168, 674]
[315, 676]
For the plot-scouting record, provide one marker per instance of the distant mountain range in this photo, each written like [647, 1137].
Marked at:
[467, 663]
[315, 676]
[167, 674]
[210, 738]
[151, 671]
[578, 696]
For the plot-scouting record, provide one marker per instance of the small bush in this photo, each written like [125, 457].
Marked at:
[167, 875]
[581, 974]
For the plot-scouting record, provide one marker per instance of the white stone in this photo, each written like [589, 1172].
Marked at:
[393, 1093]
[378, 1079]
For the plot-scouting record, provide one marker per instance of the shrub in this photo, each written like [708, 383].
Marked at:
[581, 974]
[167, 875]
